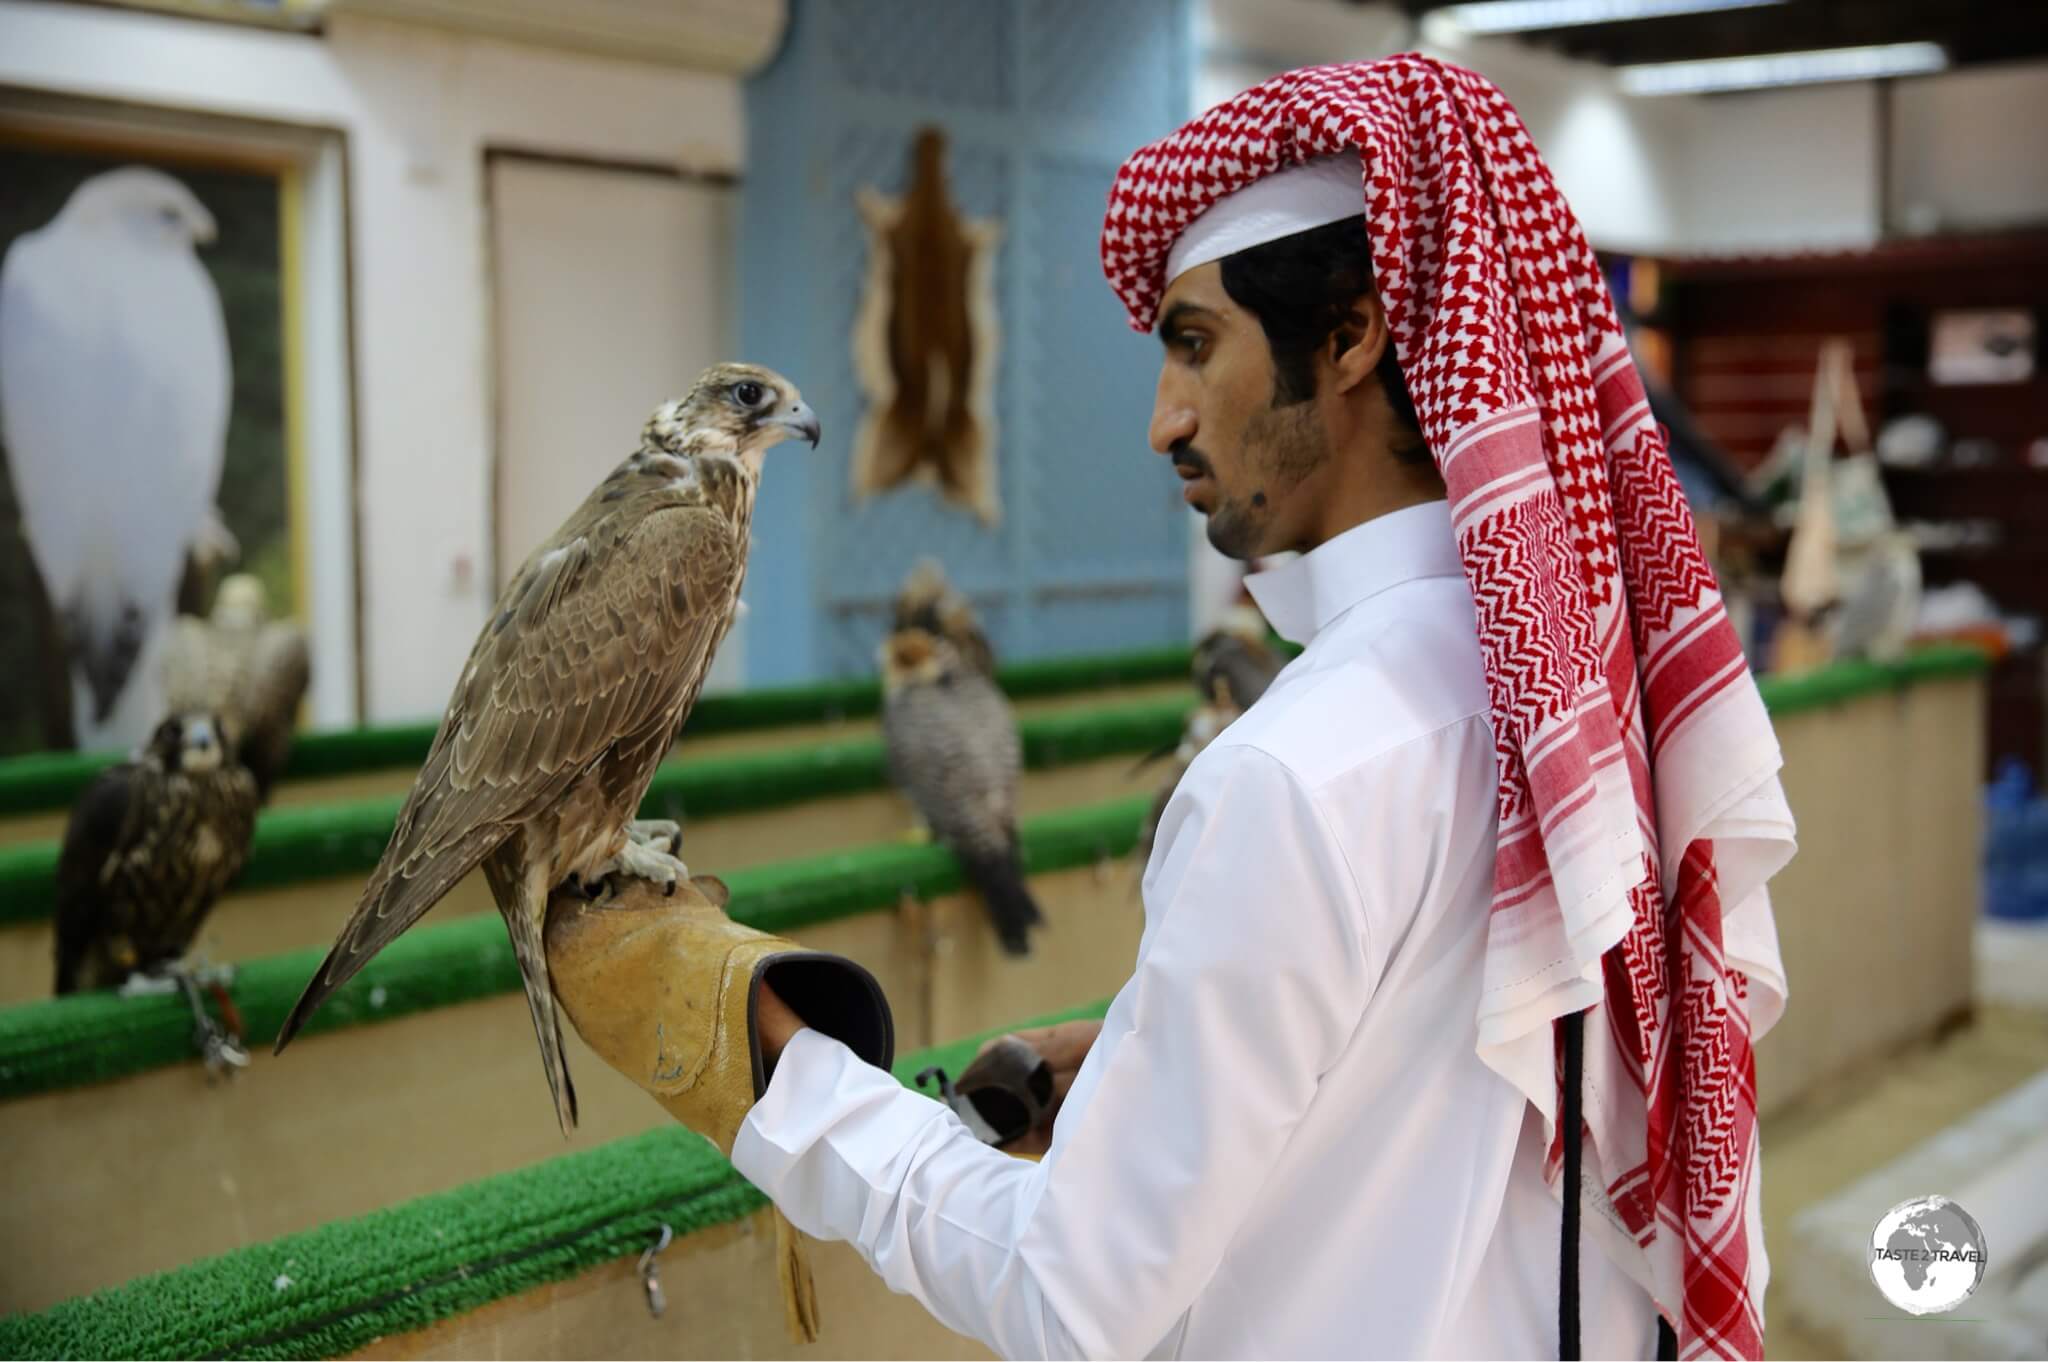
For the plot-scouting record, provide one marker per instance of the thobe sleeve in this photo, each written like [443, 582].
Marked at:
[1254, 970]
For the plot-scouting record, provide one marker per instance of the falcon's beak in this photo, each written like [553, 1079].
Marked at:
[800, 421]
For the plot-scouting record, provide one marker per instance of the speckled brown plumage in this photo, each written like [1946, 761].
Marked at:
[953, 750]
[579, 682]
[151, 845]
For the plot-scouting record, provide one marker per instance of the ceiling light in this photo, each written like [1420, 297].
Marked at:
[1522, 16]
[1782, 68]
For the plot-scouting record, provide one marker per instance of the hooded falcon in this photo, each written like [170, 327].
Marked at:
[151, 844]
[588, 666]
[248, 668]
[929, 602]
[953, 750]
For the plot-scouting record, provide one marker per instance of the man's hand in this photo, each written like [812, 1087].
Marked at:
[774, 1023]
[1062, 1047]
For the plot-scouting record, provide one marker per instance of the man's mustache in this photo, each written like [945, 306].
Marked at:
[1187, 457]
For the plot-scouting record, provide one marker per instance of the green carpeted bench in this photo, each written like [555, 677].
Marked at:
[47, 781]
[94, 1037]
[331, 1290]
[321, 841]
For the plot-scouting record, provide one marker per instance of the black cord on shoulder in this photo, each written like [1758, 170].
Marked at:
[1573, 1125]
[1667, 1340]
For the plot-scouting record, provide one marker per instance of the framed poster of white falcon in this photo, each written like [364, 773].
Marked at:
[143, 424]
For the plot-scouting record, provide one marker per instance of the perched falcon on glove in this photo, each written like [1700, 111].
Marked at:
[929, 602]
[152, 843]
[248, 668]
[587, 668]
[953, 750]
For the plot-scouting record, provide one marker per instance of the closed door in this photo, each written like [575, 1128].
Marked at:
[611, 294]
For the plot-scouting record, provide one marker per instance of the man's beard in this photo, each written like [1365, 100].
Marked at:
[1283, 445]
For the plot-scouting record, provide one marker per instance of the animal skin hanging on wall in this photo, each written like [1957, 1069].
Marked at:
[924, 342]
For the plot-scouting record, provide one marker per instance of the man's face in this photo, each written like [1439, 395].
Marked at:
[1251, 468]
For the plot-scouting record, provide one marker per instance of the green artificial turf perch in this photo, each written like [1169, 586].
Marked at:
[336, 1288]
[96, 1037]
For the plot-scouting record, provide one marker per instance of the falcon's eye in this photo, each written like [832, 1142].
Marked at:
[748, 394]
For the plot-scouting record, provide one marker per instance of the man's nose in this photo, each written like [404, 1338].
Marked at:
[1173, 420]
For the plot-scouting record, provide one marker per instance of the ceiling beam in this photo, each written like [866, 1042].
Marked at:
[1973, 31]
[1970, 32]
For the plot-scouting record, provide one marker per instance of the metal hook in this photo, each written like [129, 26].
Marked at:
[650, 1274]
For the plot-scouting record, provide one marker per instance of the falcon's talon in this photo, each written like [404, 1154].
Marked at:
[223, 1053]
[642, 862]
[218, 1047]
[144, 984]
[207, 975]
[660, 834]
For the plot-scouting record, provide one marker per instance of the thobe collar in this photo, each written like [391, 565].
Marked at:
[1300, 598]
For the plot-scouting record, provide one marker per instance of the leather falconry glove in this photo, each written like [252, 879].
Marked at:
[663, 987]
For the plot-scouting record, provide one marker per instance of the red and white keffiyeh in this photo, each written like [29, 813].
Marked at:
[1639, 802]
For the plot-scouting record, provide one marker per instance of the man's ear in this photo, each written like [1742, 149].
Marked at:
[1355, 347]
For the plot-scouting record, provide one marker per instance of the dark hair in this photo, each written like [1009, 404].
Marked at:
[1298, 288]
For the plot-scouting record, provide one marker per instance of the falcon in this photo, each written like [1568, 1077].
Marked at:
[929, 602]
[1234, 663]
[115, 384]
[248, 668]
[151, 844]
[953, 751]
[575, 690]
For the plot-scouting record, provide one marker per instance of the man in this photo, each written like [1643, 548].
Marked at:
[1323, 1117]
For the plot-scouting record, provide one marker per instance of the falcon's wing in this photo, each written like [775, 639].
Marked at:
[99, 829]
[591, 642]
[274, 677]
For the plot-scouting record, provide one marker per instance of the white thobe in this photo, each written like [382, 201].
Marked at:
[1284, 1143]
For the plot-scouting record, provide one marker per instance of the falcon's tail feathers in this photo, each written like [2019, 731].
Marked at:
[1003, 887]
[528, 949]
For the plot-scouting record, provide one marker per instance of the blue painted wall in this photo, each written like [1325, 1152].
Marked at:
[1040, 100]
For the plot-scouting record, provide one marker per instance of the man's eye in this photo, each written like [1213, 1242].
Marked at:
[1192, 346]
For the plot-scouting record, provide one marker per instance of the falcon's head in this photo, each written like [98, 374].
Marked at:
[916, 657]
[189, 742]
[241, 601]
[144, 203]
[736, 409]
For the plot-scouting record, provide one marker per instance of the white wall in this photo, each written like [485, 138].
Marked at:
[418, 107]
[1779, 170]
[1966, 149]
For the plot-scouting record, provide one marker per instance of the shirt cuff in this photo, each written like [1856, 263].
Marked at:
[824, 1094]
